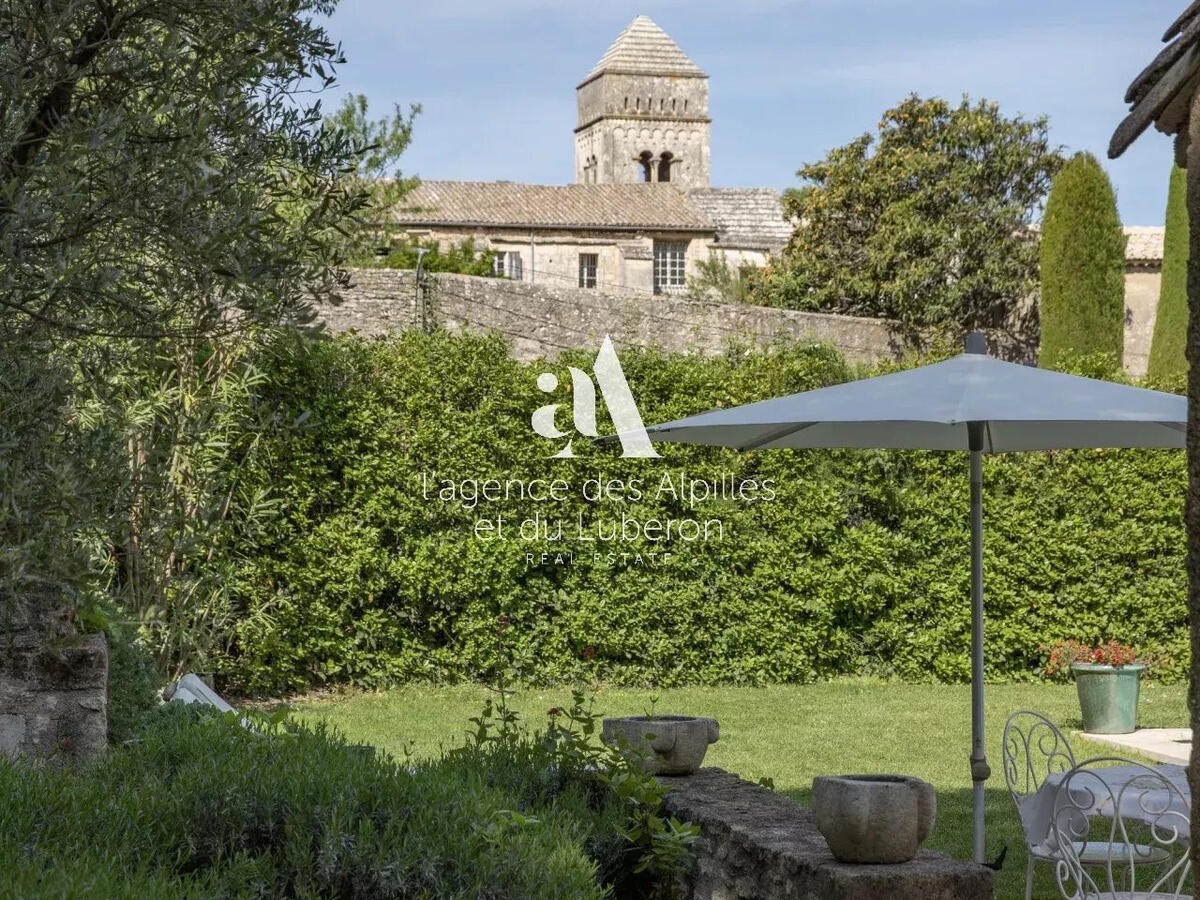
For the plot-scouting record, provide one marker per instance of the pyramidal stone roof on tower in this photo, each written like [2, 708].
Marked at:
[645, 49]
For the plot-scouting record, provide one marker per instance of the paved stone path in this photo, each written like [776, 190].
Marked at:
[1168, 745]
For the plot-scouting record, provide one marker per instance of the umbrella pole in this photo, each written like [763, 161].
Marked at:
[979, 764]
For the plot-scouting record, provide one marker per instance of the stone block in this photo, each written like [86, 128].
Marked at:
[53, 684]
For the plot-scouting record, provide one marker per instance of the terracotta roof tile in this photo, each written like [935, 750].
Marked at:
[1145, 244]
[504, 203]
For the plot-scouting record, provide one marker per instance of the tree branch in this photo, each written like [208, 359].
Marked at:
[56, 103]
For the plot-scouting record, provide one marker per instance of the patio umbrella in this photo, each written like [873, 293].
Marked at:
[971, 402]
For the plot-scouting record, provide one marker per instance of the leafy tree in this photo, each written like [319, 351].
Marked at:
[463, 259]
[924, 222]
[168, 199]
[146, 153]
[1170, 324]
[379, 144]
[1083, 266]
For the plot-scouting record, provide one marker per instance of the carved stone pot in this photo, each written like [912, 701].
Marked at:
[873, 818]
[667, 745]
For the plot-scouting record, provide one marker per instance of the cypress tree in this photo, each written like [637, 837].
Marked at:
[1082, 266]
[1170, 324]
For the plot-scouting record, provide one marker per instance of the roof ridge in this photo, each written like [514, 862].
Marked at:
[644, 47]
[500, 182]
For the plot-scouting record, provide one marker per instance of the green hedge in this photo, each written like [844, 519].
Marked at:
[200, 807]
[1167, 353]
[859, 564]
[1082, 266]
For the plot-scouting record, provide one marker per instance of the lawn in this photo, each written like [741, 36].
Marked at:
[789, 734]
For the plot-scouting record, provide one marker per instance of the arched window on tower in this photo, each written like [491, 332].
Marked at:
[664, 165]
[589, 170]
[646, 160]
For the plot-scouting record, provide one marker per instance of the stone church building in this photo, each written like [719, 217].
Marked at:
[642, 213]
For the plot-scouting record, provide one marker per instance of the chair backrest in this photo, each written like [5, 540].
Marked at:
[1033, 749]
[1130, 822]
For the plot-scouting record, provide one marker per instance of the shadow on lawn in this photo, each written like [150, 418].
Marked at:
[952, 835]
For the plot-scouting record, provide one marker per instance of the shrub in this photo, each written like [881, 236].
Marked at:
[1170, 324]
[202, 807]
[859, 565]
[1082, 266]
[717, 280]
[133, 683]
[463, 258]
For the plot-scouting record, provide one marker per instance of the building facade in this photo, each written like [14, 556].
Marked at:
[641, 215]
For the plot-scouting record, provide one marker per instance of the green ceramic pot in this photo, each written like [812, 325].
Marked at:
[1108, 696]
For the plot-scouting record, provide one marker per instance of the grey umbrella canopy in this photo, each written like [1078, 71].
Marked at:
[971, 402]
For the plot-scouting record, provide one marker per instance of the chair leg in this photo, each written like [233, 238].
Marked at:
[1029, 877]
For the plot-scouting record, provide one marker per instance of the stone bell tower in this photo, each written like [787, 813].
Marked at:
[643, 114]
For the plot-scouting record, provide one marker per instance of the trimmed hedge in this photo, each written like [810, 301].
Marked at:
[1082, 266]
[858, 565]
[1170, 324]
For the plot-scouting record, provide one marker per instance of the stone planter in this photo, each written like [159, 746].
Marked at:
[1108, 696]
[873, 818]
[667, 745]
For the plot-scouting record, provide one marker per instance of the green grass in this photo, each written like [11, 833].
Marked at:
[790, 734]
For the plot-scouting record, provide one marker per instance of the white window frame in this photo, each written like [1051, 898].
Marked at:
[670, 266]
[589, 266]
[507, 264]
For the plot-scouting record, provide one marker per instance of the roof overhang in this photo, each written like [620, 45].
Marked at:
[558, 226]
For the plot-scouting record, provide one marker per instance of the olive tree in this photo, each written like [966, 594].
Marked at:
[169, 200]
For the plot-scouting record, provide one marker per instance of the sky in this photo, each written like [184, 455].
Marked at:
[788, 79]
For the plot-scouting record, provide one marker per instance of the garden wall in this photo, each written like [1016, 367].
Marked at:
[53, 687]
[755, 844]
[542, 320]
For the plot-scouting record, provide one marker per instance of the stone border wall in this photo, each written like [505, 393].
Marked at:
[542, 320]
[755, 843]
[53, 685]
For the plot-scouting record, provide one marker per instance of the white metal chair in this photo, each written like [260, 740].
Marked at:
[1033, 750]
[1139, 823]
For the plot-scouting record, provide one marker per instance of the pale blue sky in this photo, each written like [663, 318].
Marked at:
[788, 78]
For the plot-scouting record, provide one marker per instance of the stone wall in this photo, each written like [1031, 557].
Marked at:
[53, 685]
[755, 844]
[542, 320]
[1141, 307]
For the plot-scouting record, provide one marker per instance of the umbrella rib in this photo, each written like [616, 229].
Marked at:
[776, 435]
